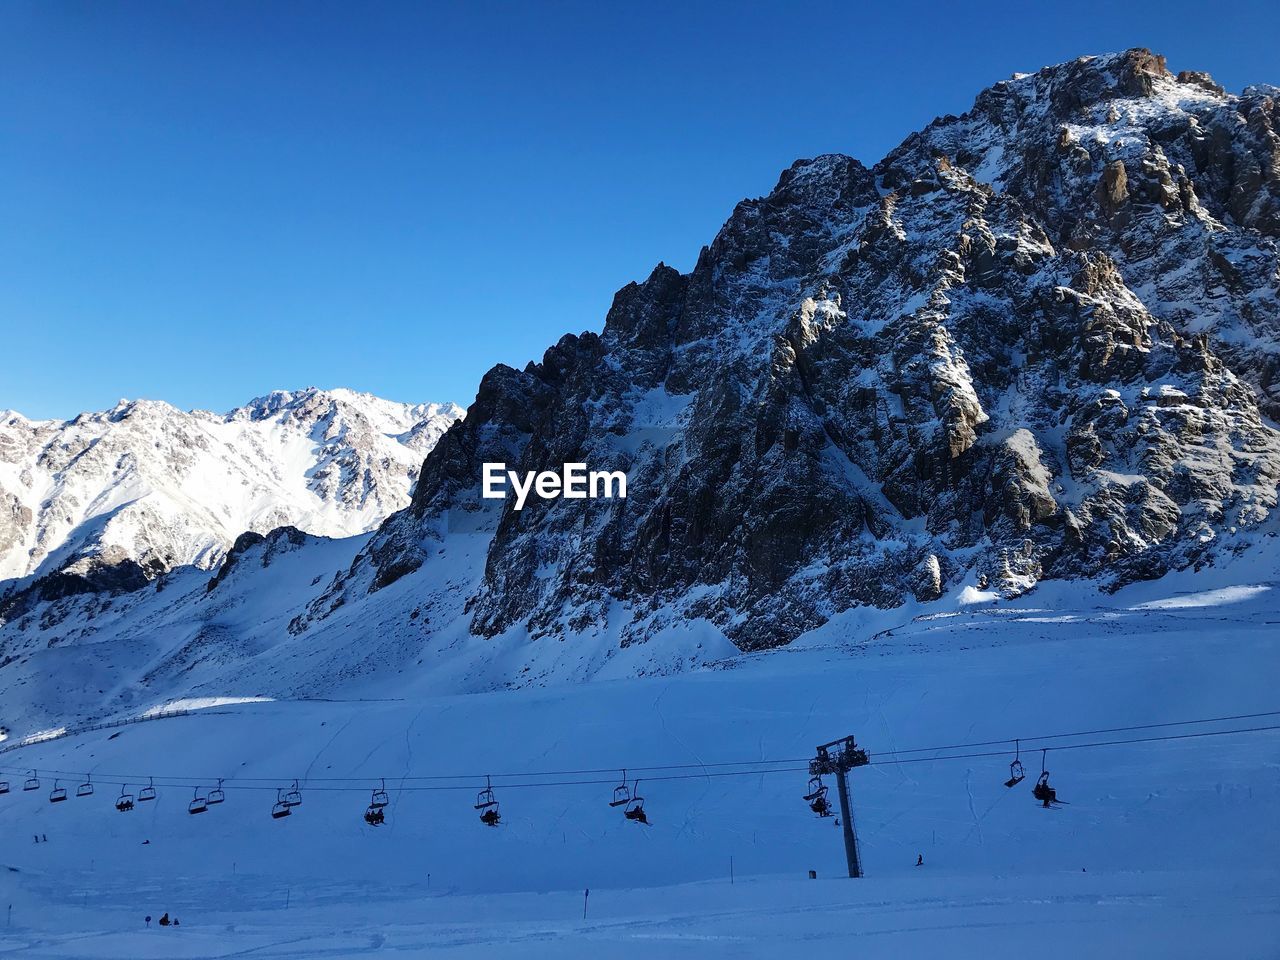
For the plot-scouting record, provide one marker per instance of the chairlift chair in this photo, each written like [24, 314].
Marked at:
[1042, 791]
[294, 797]
[85, 789]
[816, 788]
[1016, 773]
[485, 798]
[148, 792]
[621, 793]
[58, 793]
[280, 809]
[487, 804]
[33, 782]
[375, 816]
[380, 799]
[198, 803]
[817, 797]
[216, 795]
[124, 802]
[634, 809]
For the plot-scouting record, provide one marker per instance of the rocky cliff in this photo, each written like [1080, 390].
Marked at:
[1036, 341]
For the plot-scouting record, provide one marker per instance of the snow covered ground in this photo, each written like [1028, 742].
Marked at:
[1165, 848]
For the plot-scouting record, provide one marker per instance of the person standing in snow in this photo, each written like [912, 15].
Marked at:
[919, 859]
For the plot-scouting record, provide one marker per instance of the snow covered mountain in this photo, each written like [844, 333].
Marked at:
[1034, 343]
[971, 455]
[130, 492]
[1037, 341]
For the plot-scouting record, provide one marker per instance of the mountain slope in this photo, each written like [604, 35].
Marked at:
[879, 389]
[1166, 848]
[880, 384]
[151, 487]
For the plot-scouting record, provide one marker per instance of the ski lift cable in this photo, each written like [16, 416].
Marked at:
[711, 770]
[1082, 733]
[183, 781]
[310, 782]
[741, 773]
[1081, 746]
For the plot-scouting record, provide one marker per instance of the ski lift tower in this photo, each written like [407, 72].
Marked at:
[837, 759]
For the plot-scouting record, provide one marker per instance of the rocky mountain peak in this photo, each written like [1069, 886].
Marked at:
[268, 405]
[1036, 341]
[1029, 343]
[1116, 154]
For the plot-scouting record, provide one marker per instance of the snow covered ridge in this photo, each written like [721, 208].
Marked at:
[145, 487]
[1036, 343]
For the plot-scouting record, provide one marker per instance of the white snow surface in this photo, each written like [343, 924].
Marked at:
[1164, 849]
[200, 703]
[152, 483]
[1206, 598]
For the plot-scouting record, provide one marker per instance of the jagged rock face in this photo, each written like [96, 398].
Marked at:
[1031, 343]
[1177, 181]
[153, 487]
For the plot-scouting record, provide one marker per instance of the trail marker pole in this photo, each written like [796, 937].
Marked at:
[838, 758]
[585, 894]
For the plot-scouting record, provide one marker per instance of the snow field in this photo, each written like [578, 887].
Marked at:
[1165, 847]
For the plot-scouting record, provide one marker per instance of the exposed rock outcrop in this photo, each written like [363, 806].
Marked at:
[1034, 341]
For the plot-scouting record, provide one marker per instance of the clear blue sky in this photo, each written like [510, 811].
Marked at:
[200, 202]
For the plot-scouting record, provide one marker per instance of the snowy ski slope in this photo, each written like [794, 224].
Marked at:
[1166, 848]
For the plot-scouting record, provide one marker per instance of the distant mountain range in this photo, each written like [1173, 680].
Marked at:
[134, 491]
